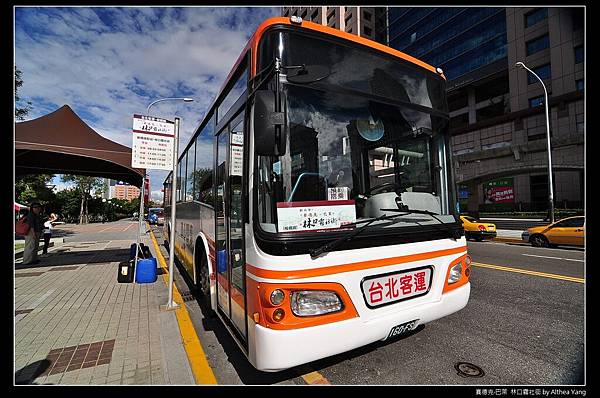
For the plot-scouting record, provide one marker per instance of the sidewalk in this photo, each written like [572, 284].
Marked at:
[53, 241]
[74, 324]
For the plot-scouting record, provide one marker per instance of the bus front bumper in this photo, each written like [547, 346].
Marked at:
[277, 350]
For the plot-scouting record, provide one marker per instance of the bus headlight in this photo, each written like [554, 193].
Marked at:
[314, 302]
[455, 273]
[277, 297]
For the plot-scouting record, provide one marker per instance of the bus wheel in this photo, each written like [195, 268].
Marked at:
[203, 288]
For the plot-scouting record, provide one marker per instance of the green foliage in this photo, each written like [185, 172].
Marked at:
[20, 112]
[33, 187]
[85, 185]
[67, 204]
[115, 209]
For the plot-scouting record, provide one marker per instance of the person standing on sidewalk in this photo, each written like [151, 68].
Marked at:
[48, 231]
[34, 220]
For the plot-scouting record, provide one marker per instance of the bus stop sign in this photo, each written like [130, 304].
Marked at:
[153, 140]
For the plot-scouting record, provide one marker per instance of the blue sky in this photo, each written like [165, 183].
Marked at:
[108, 63]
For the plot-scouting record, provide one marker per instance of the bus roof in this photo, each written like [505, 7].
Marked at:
[255, 39]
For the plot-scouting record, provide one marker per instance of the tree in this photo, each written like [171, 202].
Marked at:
[20, 113]
[85, 185]
[34, 187]
[67, 204]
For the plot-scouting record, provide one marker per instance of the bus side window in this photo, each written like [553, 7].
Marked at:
[206, 189]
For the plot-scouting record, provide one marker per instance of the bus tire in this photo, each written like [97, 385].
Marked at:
[203, 284]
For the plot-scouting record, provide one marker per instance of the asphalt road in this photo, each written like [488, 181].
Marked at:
[519, 328]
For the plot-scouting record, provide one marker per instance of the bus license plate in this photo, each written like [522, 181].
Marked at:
[403, 328]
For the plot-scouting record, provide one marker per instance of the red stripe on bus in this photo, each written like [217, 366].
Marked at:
[338, 269]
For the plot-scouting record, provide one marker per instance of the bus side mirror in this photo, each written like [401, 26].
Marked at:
[268, 139]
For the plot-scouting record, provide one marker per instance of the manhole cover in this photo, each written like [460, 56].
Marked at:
[466, 369]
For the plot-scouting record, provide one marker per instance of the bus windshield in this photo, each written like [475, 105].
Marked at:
[351, 156]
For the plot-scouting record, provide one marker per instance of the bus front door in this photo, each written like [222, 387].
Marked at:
[231, 287]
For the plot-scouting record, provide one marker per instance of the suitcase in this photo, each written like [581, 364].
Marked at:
[146, 271]
[125, 271]
[132, 251]
[146, 251]
[143, 253]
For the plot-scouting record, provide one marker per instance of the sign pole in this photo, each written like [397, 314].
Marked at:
[152, 149]
[171, 304]
[138, 247]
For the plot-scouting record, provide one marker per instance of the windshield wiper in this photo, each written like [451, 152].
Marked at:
[332, 245]
[405, 211]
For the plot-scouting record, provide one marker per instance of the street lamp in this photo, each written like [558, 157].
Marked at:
[551, 190]
[170, 303]
[185, 99]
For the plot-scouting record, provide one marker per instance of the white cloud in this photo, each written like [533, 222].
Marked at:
[109, 63]
[156, 196]
[61, 186]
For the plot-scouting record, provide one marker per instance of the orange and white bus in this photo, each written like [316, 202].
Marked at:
[316, 205]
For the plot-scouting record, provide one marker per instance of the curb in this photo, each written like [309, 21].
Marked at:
[19, 253]
[199, 365]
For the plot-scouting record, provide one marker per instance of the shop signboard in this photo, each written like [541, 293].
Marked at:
[499, 191]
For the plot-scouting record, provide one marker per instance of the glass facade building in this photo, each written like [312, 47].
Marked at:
[497, 111]
[458, 40]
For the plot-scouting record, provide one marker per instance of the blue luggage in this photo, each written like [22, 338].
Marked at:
[146, 271]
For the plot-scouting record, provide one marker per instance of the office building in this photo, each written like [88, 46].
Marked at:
[368, 22]
[497, 112]
[122, 190]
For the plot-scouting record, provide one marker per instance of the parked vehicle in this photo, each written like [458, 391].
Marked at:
[475, 229]
[568, 231]
[156, 216]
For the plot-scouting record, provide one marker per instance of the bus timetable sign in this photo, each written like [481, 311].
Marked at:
[152, 146]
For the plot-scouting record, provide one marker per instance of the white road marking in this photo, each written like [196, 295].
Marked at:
[573, 249]
[556, 258]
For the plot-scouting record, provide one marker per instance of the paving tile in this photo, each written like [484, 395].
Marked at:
[88, 308]
[104, 361]
[53, 379]
[62, 268]
[27, 274]
[88, 364]
[57, 369]
[98, 381]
